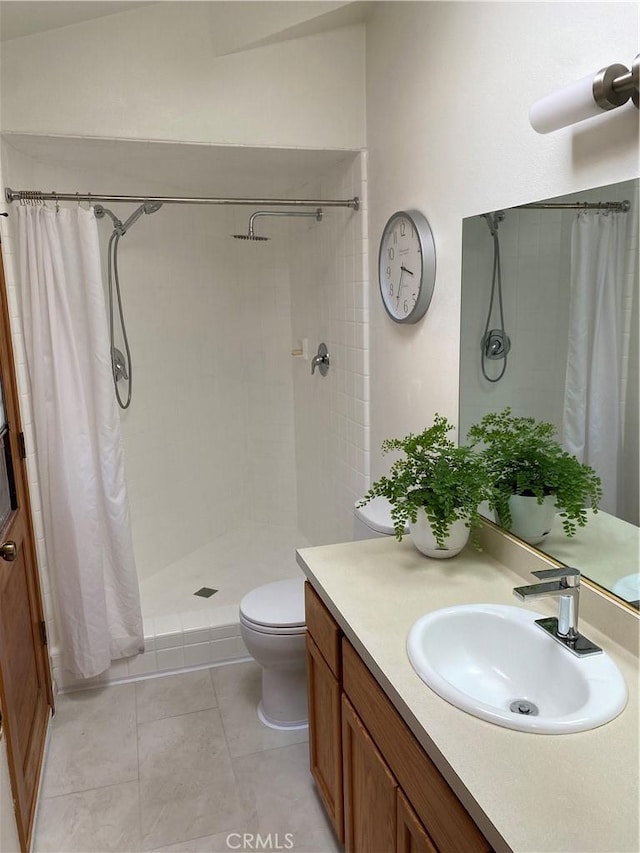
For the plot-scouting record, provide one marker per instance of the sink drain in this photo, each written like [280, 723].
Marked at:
[521, 706]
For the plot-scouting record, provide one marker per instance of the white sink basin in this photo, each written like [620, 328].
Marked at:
[484, 658]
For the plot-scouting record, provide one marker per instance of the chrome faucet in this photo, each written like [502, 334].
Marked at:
[565, 583]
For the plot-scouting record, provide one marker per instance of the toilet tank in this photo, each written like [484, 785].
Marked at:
[373, 520]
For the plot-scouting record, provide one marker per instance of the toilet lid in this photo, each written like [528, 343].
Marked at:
[377, 515]
[278, 604]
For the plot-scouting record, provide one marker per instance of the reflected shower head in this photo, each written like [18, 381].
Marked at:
[494, 220]
[251, 235]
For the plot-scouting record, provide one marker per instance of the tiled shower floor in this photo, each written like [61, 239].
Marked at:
[176, 763]
[233, 564]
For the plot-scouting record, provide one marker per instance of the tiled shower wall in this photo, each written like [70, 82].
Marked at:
[329, 294]
[208, 439]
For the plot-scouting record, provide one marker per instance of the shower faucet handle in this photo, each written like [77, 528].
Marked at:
[321, 360]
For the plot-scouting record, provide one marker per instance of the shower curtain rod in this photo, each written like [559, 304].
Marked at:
[624, 206]
[37, 195]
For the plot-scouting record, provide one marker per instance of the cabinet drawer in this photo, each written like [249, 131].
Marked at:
[447, 821]
[323, 628]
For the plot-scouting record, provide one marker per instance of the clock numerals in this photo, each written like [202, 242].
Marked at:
[391, 289]
[391, 254]
[403, 227]
[405, 306]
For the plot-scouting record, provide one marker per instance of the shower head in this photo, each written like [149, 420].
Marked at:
[251, 235]
[146, 207]
[494, 220]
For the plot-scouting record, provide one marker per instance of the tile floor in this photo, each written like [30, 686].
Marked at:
[176, 763]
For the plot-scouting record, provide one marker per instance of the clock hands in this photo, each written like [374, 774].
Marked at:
[403, 270]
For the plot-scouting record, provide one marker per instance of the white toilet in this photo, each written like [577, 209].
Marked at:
[373, 520]
[272, 625]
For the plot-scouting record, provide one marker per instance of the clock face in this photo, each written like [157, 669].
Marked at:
[406, 266]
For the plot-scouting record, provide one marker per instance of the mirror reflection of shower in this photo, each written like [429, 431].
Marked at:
[121, 363]
[495, 344]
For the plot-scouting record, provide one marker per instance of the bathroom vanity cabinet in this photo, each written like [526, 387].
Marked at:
[381, 790]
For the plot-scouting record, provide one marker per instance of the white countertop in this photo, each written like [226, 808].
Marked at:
[528, 792]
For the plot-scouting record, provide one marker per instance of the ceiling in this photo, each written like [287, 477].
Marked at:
[26, 17]
[235, 21]
[130, 167]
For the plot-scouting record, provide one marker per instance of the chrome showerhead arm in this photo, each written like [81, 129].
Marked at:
[317, 215]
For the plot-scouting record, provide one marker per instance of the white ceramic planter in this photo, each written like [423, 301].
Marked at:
[424, 540]
[530, 520]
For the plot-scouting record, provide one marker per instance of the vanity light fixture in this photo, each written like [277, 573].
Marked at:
[609, 88]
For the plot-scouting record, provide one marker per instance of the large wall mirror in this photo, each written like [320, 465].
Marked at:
[540, 335]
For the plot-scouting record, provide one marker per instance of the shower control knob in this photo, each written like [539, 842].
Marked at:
[321, 360]
[8, 551]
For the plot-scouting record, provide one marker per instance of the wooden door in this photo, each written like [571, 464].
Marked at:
[26, 697]
[325, 742]
[369, 790]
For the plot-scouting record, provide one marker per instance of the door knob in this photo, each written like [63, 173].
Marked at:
[8, 551]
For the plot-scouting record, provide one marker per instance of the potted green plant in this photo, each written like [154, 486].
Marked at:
[529, 469]
[436, 486]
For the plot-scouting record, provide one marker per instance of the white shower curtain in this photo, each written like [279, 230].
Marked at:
[592, 420]
[78, 440]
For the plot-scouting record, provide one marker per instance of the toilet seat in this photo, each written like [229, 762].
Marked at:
[275, 608]
[271, 629]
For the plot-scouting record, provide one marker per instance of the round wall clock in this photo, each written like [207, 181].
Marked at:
[406, 266]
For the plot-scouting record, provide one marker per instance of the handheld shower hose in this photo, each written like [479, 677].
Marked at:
[495, 342]
[121, 365]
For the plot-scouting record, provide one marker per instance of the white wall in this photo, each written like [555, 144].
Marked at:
[156, 73]
[449, 87]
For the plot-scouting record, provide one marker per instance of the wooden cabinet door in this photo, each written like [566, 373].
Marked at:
[412, 836]
[25, 685]
[369, 790]
[325, 738]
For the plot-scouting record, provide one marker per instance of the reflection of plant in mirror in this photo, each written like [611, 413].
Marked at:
[447, 481]
[523, 457]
